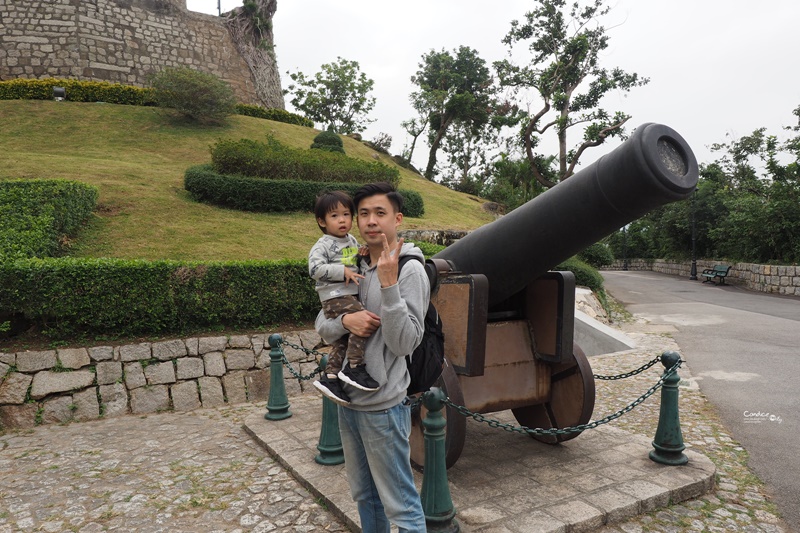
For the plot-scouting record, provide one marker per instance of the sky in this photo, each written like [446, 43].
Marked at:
[718, 69]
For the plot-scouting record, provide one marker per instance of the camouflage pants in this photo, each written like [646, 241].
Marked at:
[350, 346]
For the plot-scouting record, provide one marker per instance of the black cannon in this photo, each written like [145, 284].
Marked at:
[509, 320]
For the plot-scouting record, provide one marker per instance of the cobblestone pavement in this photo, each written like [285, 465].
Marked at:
[740, 501]
[199, 471]
[170, 472]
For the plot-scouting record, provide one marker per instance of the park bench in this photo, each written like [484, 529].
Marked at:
[719, 271]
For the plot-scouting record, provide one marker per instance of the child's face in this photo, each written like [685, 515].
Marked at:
[337, 222]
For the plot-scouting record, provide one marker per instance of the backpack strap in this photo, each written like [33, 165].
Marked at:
[430, 268]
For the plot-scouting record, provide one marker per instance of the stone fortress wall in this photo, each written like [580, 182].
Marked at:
[121, 41]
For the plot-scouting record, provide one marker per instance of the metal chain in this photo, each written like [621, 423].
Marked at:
[573, 429]
[631, 373]
[292, 371]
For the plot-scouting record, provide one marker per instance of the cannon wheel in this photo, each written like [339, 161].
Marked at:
[456, 423]
[571, 400]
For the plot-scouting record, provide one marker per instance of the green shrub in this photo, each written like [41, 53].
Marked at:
[429, 249]
[413, 203]
[76, 91]
[266, 195]
[382, 143]
[405, 163]
[277, 115]
[328, 140]
[36, 214]
[598, 255]
[196, 95]
[70, 296]
[585, 275]
[278, 162]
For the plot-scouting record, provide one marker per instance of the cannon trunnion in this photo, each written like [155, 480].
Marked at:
[509, 321]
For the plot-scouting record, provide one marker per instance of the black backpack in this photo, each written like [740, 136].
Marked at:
[426, 362]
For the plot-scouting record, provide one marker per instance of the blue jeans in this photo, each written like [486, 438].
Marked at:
[377, 457]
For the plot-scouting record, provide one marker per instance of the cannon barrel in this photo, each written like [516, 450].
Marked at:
[654, 167]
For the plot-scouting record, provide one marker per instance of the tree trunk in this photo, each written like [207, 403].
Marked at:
[252, 34]
[435, 147]
[413, 144]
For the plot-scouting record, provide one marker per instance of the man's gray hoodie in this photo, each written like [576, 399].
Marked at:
[402, 309]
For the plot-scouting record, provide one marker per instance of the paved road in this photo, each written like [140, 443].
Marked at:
[744, 348]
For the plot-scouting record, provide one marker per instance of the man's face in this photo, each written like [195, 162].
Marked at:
[377, 216]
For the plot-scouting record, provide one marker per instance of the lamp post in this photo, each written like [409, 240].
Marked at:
[625, 247]
[219, 8]
[693, 271]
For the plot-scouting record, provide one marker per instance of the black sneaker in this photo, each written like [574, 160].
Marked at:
[332, 389]
[358, 377]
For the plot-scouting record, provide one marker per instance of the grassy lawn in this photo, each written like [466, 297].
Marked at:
[136, 156]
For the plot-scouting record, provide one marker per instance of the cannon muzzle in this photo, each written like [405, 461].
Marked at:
[654, 167]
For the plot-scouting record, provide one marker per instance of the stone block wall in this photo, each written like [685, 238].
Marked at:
[774, 279]
[121, 41]
[65, 384]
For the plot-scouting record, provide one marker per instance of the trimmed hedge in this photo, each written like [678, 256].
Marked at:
[266, 195]
[328, 140]
[36, 214]
[69, 296]
[72, 297]
[278, 115]
[278, 162]
[76, 91]
[585, 275]
[114, 93]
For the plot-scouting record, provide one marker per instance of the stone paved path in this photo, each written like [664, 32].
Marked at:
[171, 472]
[199, 471]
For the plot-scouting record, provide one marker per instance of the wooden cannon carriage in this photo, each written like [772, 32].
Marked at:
[508, 320]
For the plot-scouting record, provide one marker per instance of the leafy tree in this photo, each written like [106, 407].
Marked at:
[467, 161]
[197, 95]
[565, 43]
[512, 182]
[762, 198]
[338, 96]
[746, 207]
[452, 87]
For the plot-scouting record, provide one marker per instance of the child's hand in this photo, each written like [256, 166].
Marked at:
[349, 276]
[363, 250]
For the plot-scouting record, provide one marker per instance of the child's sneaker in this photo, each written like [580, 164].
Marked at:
[332, 389]
[358, 377]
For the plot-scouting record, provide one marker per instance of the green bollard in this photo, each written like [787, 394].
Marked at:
[668, 442]
[278, 403]
[436, 502]
[330, 440]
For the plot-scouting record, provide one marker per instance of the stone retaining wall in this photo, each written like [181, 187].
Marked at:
[53, 386]
[442, 237]
[121, 41]
[775, 279]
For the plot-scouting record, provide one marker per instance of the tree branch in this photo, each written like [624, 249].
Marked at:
[529, 149]
[589, 144]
